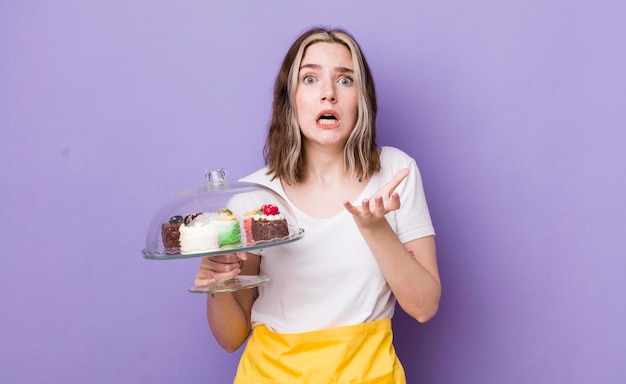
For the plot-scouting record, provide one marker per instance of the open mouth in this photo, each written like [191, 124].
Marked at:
[327, 118]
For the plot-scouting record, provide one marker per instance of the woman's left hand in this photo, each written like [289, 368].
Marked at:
[375, 208]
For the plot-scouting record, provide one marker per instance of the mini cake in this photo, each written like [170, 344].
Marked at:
[265, 224]
[170, 232]
[198, 234]
[228, 228]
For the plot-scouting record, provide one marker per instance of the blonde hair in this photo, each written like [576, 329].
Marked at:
[283, 151]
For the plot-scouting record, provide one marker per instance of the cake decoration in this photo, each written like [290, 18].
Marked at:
[189, 218]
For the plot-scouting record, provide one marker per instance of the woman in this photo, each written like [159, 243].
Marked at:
[325, 315]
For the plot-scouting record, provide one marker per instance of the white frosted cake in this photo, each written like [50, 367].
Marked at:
[198, 234]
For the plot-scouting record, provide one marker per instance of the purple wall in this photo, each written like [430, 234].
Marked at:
[515, 113]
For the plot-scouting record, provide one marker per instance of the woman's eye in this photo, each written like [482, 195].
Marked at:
[345, 81]
[309, 80]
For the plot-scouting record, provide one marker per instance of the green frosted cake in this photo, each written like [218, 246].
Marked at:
[228, 228]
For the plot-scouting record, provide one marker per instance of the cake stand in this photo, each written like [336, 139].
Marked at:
[218, 194]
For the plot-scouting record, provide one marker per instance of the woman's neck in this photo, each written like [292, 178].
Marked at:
[324, 167]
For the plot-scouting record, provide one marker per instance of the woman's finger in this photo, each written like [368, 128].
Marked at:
[392, 184]
[213, 272]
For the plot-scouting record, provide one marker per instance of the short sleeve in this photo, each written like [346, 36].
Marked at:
[412, 221]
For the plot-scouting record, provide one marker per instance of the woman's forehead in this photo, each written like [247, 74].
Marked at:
[324, 53]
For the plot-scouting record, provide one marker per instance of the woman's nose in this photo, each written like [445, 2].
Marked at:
[328, 92]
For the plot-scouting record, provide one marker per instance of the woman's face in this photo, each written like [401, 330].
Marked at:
[326, 95]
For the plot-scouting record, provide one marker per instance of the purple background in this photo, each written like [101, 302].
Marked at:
[515, 112]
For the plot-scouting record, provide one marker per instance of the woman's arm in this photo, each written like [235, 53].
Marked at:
[410, 269]
[228, 313]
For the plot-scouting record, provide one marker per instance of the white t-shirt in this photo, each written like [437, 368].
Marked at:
[330, 278]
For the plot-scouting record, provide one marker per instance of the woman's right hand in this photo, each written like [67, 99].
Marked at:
[219, 268]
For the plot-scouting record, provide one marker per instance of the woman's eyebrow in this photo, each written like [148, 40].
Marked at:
[311, 66]
[317, 66]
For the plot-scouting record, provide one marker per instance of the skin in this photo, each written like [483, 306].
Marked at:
[325, 87]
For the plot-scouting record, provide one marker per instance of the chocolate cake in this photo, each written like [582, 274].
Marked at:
[269, 229]
[170, 232]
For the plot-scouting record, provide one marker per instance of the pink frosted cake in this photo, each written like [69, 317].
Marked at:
[265, 224]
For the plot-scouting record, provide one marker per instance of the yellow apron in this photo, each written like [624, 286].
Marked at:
[355, 354]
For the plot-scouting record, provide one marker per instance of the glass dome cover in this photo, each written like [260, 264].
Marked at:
[220, 217]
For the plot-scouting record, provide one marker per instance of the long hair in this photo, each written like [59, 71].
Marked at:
[283, 152]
